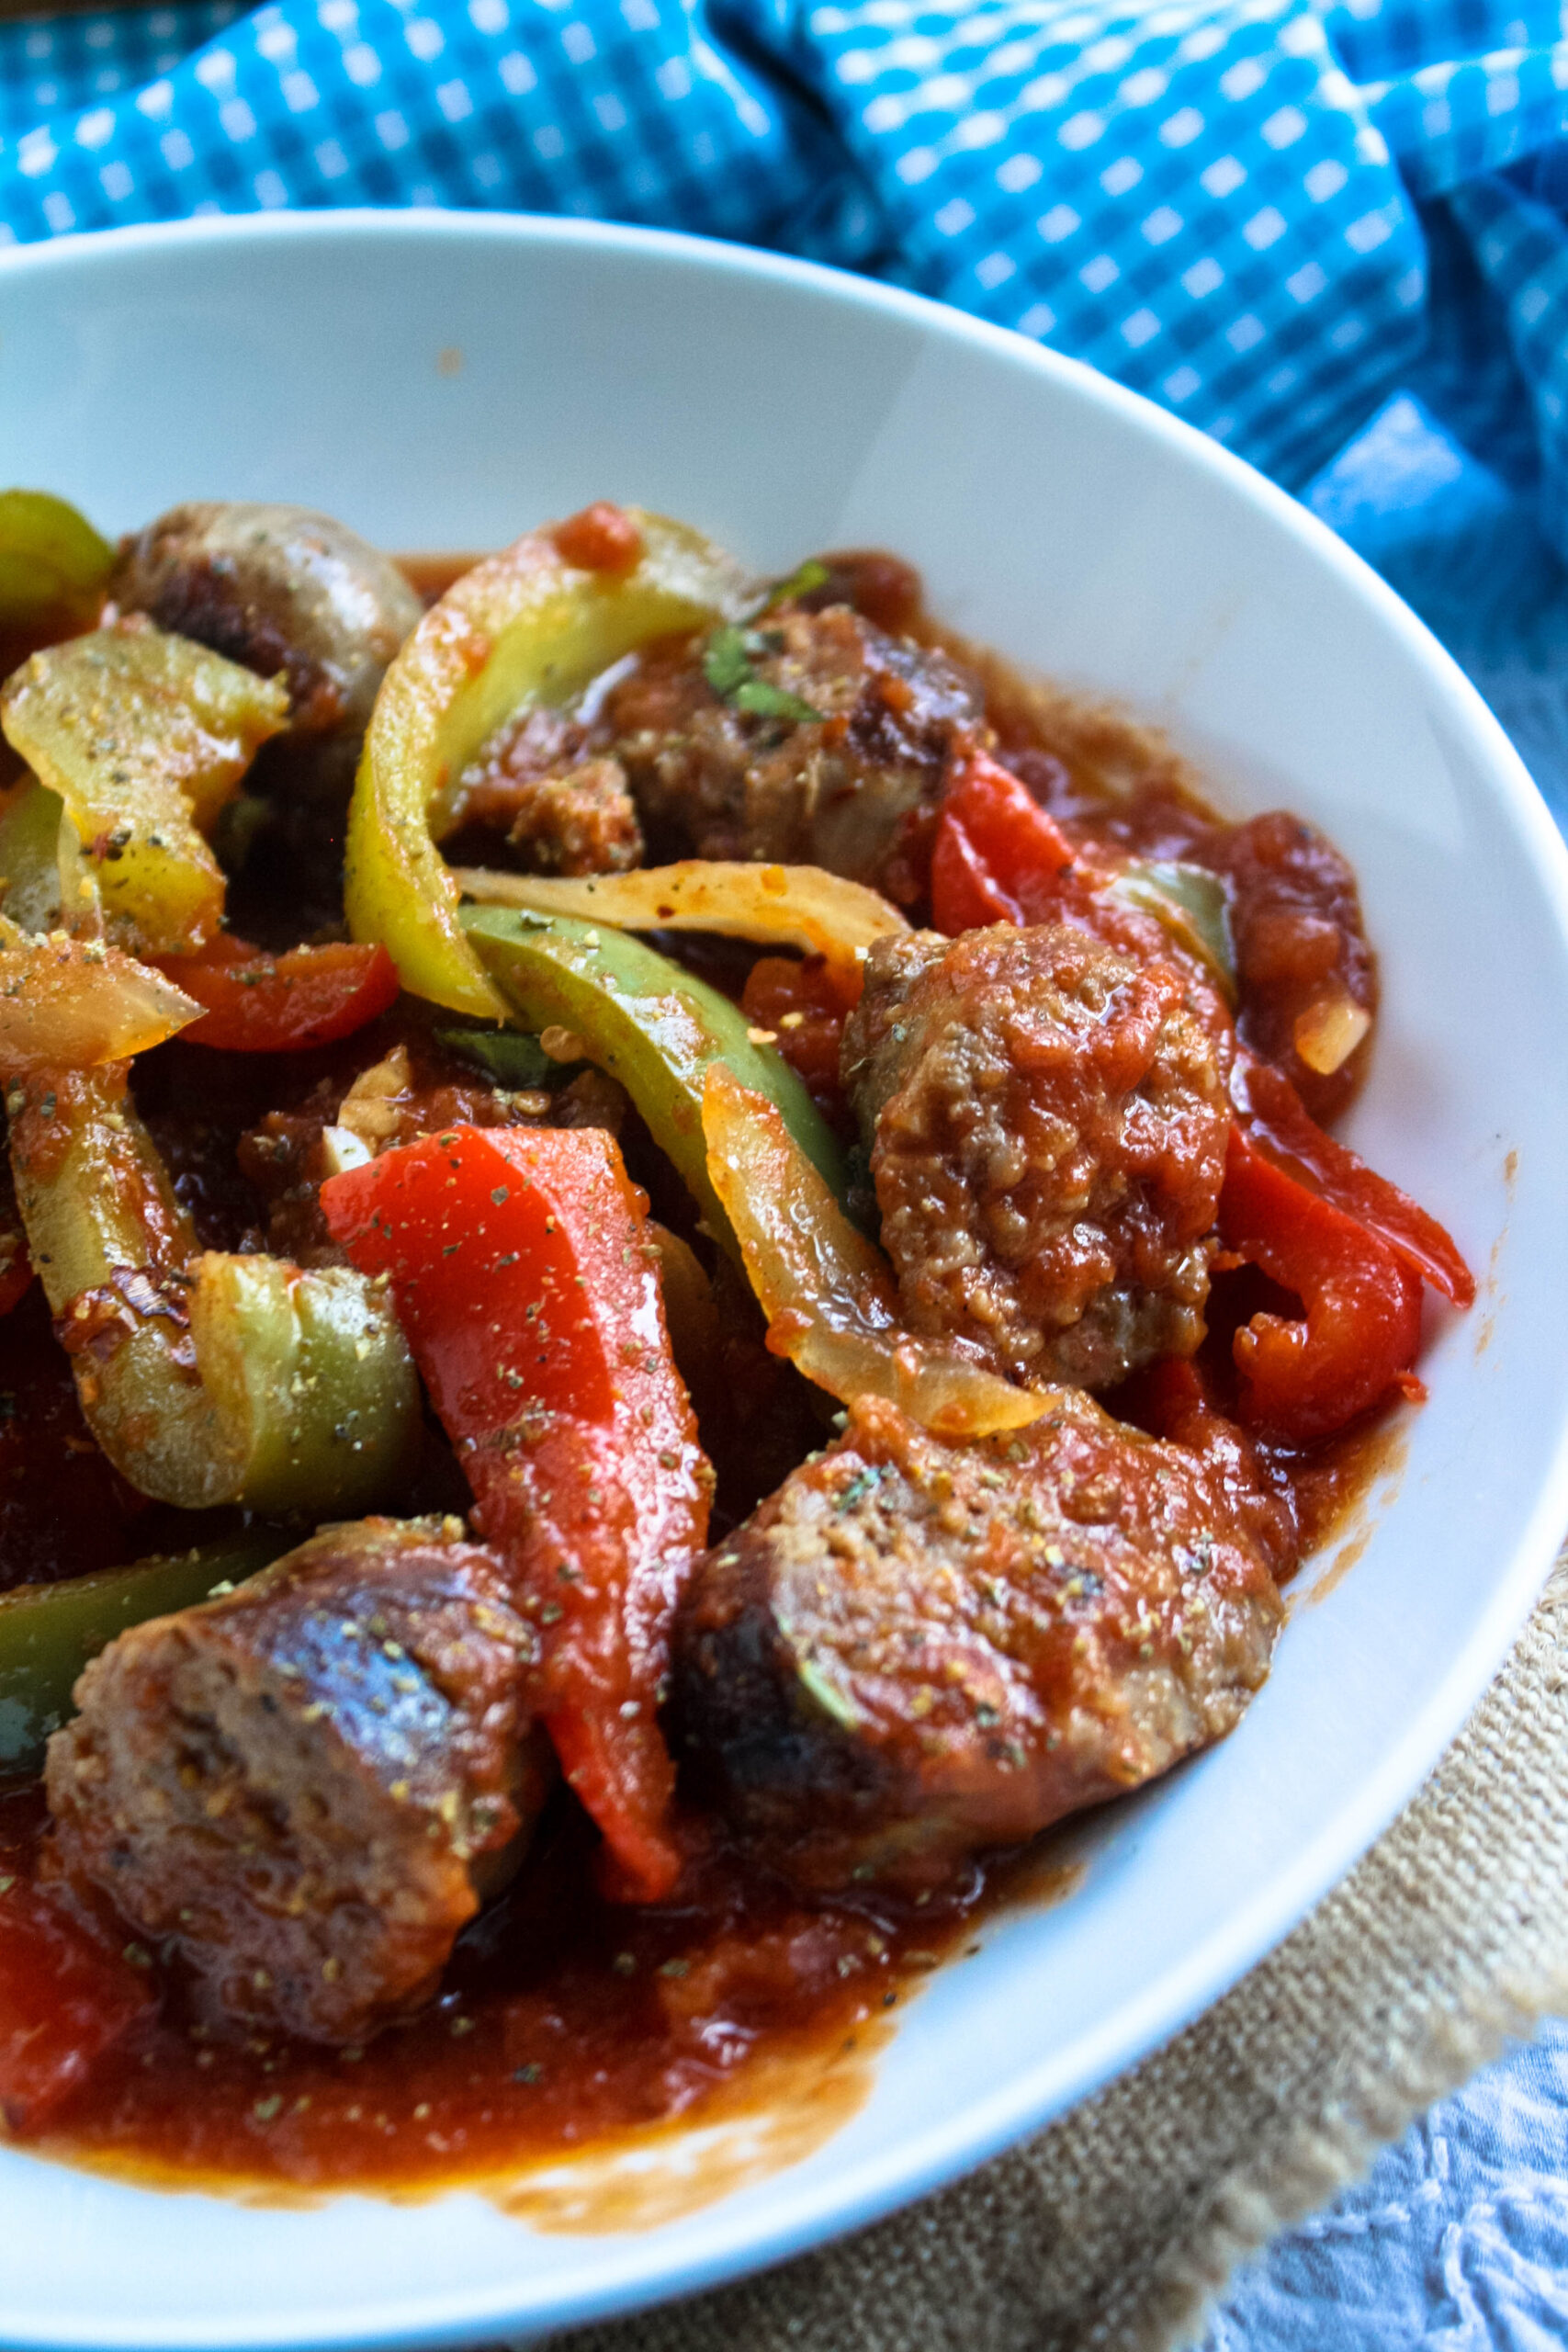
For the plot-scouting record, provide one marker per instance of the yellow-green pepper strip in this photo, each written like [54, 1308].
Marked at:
[53, 564]
[312, 1379]
[144, 737]
[653, 1026]
[205, 1379]
[522, 628]
[1192, 905]
[49, 1632]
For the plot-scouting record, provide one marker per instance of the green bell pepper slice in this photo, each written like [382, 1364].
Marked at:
[1193, 906]
[524, 627]
[650, 1025]
[49, 1632]
[207, 1378]
[53, 565]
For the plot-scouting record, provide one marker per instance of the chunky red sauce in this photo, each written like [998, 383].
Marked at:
[565, 2020]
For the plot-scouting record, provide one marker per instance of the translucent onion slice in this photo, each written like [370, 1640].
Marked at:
[74, 1004]
[826, 1290]
[790, 906]
[1328, 1032]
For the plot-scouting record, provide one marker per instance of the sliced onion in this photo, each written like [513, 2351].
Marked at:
[826, 1290]
[1328, 1032]
[73, 1004]
[791, 906]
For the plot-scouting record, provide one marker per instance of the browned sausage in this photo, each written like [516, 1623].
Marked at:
[307, 1785]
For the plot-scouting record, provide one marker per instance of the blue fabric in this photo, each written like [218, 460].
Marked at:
[57, 68]
[1458, 2240]
[1267, 214]
[1467, 551]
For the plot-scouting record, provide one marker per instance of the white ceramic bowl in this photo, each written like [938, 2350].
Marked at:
[443, 381]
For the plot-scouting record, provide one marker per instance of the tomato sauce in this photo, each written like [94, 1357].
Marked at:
[564, 2020]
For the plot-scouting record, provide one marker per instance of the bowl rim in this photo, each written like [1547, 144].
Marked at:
[1048, 2087]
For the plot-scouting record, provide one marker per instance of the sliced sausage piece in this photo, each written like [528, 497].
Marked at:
[275, 588]
[564, 809]
[916, 1649]
[848, 788]
[308, 1785]
[1047, 1120]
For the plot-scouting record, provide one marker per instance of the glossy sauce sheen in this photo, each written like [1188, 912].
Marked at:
[565, 2020]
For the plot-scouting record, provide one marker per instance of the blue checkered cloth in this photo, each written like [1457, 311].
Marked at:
[1267, 215]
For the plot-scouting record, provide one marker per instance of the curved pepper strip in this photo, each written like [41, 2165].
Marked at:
[526, 627]
[655, 1027]
[826, 1292]
[54, 569]
[998, 858]
[529, 1287]
[256, 1004]
[49, 1632]
[1279, 1125]
[1301, 1380]
[786, 906]
[206, 1378]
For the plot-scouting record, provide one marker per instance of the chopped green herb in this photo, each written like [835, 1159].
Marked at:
[813, 573]
[863, 1484]
[831, 1700]
[726, 665]
[764, 701]
[505, 1056]
[727, 660]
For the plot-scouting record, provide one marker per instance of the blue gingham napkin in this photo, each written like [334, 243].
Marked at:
[1265, 214]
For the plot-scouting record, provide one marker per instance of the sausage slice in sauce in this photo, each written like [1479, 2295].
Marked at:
[308, 1785]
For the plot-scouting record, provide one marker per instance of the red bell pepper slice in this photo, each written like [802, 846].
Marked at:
[1300, 1380]
[530, 1296]
[998, 858]
[276, 1004]
[1280, 1127]
[65, 1999]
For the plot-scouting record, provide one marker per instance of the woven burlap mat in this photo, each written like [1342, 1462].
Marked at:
[1116, 2228]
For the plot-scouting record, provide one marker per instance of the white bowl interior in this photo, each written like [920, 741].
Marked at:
[444, 384]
